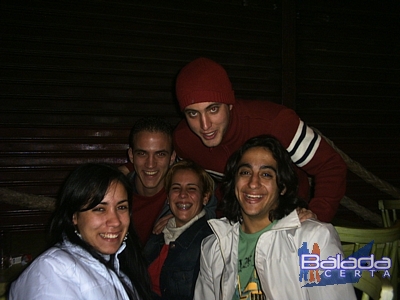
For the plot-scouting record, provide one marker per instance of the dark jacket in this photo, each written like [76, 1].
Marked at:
[181, 267]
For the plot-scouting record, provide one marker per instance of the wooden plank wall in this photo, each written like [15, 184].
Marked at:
[348, 85]
[75, 75]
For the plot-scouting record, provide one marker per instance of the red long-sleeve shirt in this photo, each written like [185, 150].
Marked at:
[311, 153]
[145, 210]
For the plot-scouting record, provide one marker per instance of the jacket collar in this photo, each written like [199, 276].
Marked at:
[190, 234]
[222, 227]
[288, 222]
[79, 251]
[171, 232]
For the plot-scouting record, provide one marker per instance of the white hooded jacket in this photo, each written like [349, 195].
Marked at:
[276, 260]
[68, 272]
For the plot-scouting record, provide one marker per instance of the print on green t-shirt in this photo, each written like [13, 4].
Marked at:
[248, 284]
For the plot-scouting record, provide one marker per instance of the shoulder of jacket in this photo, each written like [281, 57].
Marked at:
[56, 259]
[58, 252]
[316, 224]
[209, 245]
[223, 228]
[314, 228]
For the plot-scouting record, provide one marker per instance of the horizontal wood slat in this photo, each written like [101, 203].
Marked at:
[37, 160]
[348, 86]
[75, 76]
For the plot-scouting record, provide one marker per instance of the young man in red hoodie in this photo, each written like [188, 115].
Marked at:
[217, 124]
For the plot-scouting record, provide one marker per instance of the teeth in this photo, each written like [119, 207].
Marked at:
[209, 134]
[184, 205]
[108, 235]
[254, 196]
[151, 173]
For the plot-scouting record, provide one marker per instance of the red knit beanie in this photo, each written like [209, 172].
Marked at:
[203, 80]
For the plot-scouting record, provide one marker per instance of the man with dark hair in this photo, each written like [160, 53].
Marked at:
[150, 156]
[253, 253]
[217, 124]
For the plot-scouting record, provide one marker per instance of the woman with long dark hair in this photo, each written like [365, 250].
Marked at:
[95, 252]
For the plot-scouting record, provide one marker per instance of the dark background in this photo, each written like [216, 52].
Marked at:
[76, 75]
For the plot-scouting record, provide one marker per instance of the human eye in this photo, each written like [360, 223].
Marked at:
[123, 207]
[191, 113]
[268, 174]
[243, 172]
[140, 153]
[162, 154]
[192, 189]
[214, 109]
[98, 209]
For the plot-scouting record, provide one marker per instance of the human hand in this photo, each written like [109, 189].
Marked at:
[161, 223]
[123, 169]
[305, 214]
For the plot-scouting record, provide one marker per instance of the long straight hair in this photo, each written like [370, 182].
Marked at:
[84, 189]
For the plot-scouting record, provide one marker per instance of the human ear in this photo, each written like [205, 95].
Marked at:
[206, 198]
[130, 154]
[74, 219]
[173, 157]
[283, 191]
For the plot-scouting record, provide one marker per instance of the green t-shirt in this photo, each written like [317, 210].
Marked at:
[248, 279]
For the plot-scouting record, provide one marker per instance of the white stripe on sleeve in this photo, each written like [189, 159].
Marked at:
[304, 145]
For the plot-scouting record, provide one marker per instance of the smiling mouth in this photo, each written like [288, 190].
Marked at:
[150, 173]
[109, 235]
[184, 206]
[209, 136]
[253, 197]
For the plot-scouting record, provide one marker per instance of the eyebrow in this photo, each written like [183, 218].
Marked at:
[119, 202]
[263, 167]
[177, 184]
[208, 107]
[191, 184]
[158, 151]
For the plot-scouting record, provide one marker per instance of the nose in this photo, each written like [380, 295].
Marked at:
[254, 181]
[113, 219]
[150, 161]
[205, 122]
[182, 193]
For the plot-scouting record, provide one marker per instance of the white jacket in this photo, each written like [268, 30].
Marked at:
[276, 260]
[68, 272]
